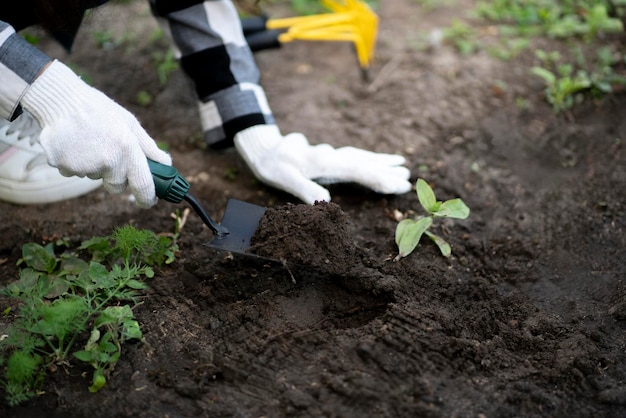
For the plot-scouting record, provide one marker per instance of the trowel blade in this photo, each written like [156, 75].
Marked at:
[242, 220]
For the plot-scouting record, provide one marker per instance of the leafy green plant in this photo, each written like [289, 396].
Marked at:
[462, 36]
[112, 328]
[62, 296]
[564, 84]
[409, 231]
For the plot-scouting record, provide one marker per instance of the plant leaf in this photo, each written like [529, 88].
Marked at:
[408, 234]
[113, 315]
[84, 355]
[443, 245]
[22, 366]
[547, 75]
[98, 381]
[58, 287]
[38, 257]
[453, 208]
[136, 284]
[426, 196]
[131, 330]
[73, 265]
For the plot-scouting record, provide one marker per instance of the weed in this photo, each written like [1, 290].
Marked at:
[31, 38]
[105, 39]
[409, 231]
[144, 98]
[166, 63]
[565, 84]
[461, 35]
[62, 296]
[231, 173]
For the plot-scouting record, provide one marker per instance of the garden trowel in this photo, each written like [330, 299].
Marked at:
[240, 219]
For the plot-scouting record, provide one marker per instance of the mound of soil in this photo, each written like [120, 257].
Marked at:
[318, 235]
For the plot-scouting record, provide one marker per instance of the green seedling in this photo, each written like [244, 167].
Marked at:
[562, 86]
[462, 36]
[166, 64]
[144, 98]
[61, 297]
[410, 231]
[31, 38]
[105, 39]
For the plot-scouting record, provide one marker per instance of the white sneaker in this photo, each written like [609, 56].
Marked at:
[25, 176]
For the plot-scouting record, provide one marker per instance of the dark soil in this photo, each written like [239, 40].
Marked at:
[527, 317]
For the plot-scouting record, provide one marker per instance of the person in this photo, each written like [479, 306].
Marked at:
[61, 138]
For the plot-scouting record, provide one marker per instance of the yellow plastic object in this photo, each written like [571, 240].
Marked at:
[350, 20]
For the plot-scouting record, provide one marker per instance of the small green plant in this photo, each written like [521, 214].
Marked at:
[562, 86]
[462, 36]
[112, 328]
[31, 38]
[62, 296]
[565, 84]
[105, 39]
[165, 63]
[144, 98]
[231, 173]
[409, 231]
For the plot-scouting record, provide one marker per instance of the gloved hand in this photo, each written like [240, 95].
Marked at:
[85, 133]
[291, 164]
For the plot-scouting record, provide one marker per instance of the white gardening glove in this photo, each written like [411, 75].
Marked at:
[291, 164]
[85, 133]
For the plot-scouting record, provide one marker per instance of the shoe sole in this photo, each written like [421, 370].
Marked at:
[22, 193]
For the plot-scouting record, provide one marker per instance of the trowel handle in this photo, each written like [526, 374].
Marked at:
[173, 187]
[170, 185]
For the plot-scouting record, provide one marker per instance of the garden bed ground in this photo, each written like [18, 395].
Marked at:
[526, 319]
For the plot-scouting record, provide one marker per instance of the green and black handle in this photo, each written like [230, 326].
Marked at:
[173, 187]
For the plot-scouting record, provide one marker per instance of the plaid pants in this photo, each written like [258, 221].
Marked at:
[207, 39]
[209, 42]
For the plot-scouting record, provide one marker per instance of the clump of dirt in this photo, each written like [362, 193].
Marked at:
[318, 245]
[317, 235]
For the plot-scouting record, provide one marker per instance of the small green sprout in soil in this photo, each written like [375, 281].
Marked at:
[409, 231]
[166, 64]
[87, 295]
[564, 85]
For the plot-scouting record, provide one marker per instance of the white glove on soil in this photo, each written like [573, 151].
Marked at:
[290, 163]
[85, 133]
